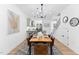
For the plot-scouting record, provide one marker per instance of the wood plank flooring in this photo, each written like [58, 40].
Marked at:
[64, 49]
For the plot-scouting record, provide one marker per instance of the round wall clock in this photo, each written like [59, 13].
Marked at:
[65, 19]
[74, 21]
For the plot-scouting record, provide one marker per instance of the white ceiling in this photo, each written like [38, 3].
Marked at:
[49, 9]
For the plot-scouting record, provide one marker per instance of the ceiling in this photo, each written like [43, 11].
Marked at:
[49, 9]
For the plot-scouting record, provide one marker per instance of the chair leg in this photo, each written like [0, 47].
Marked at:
[52, 51]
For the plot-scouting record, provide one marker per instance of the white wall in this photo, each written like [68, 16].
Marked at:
[10, 41]
[65, 33]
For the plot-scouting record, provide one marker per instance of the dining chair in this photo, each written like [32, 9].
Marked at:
[49, 35]
[28, 39]
[52, 38]
[41, 49]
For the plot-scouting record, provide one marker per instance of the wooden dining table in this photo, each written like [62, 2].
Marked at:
[43, 39]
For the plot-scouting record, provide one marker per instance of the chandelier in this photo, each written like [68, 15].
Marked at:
[40, 12]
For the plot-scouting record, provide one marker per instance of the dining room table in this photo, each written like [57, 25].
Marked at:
[40, 39]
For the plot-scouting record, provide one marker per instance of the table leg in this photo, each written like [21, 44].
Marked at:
[51, 49]
[30, 49]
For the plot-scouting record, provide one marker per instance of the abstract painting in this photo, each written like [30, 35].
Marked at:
[13, 22]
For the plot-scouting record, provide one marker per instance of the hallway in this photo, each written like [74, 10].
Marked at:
[39, 29]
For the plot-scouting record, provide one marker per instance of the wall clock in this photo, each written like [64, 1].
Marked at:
[65, 19]
[74, 21]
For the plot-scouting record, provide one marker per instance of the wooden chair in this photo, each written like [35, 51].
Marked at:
[41, 49]
[49, 35]
[28, 39]
[52, 38]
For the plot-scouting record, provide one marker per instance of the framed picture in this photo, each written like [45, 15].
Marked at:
[74, 21]
[65, 19]
[13, 22]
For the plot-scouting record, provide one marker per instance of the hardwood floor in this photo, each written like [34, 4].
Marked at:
[22, 49]
[64, 49]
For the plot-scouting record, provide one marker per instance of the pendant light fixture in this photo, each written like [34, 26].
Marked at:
[40, 12]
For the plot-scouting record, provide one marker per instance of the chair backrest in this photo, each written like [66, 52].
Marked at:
[40, 49]
[28, 39]
[52, 38]
[49, 35]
